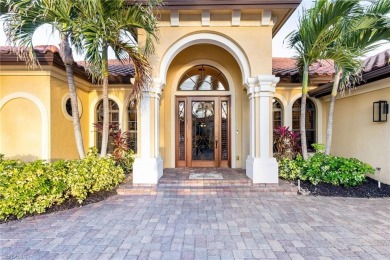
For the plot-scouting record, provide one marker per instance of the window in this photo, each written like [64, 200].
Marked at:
[113, 118]
[132, 126]
[310, 121]
[204, 78]
[277, 110]
[67, 107]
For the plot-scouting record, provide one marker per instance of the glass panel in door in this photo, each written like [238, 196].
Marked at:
[203, 130]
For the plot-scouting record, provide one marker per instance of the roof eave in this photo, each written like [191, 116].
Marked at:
[367, 77]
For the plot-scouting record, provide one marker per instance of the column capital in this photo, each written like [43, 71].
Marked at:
[268, 83]
[252, 85]
[155, 89]
[261, 83]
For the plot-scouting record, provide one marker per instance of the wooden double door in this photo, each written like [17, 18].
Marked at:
[202, 131]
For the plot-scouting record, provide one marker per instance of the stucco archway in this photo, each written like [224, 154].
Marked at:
[205, 38]
[44, 117]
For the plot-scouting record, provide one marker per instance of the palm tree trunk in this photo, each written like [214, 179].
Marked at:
[67, 57]
[329, 127]
[302, 120]
[106, 114]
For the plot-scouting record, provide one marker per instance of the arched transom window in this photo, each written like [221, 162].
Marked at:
[310, 121]
[113, 118]
[277, 110]
[203, 77]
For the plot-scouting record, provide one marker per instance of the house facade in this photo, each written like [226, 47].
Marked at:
[216, 96]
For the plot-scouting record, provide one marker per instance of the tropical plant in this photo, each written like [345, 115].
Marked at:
[363, 31]
[290, 169]
[30, 188]
[322, 168]
[286, 143]
[335, 170]
[113, 24]
[317, 29]
[23, 18]
[122, 155]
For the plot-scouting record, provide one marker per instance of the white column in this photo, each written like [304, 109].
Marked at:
[261, 167]
[148, 167]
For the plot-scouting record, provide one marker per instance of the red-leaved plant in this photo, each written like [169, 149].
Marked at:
[286, 143]
[119, 139]
[123, 156]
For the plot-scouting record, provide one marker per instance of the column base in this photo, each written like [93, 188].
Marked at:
[147, 171]
[262, 170]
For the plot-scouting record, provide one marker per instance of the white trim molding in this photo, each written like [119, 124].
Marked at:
[210, 38]
[45, 134]
[63, 106]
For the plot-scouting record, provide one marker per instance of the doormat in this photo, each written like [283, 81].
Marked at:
[206, 176]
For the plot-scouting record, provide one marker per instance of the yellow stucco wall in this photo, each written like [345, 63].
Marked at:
[48, 86]
[83, 95]
[20, 130]
[258, 49]
[63, 144]
[354, 132]
[21, 119]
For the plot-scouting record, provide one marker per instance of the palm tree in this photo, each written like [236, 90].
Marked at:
[23, 18]
[362, 34]
[317, 29]
[112, 24]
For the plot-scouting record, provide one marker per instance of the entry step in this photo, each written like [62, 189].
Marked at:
[236, 191]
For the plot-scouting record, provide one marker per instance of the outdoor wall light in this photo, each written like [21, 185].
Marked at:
[380, 111]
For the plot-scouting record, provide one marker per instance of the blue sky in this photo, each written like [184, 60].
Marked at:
[46, 37]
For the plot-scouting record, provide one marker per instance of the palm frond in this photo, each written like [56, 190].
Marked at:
[110, 23]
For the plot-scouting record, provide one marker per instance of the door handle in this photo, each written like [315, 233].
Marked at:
[216, 144]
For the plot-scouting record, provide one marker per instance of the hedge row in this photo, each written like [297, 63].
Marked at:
[28, 188]
[326, 169]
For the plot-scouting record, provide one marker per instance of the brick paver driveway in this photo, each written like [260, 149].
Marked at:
[232, 225]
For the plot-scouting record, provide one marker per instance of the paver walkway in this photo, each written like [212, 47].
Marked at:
[237, 225]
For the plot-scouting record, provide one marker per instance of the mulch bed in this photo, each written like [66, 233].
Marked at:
[369, 189]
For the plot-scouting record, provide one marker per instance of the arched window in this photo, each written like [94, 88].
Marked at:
[132, 126]
[277, 110]
[113, 118]
[311, 134]
[203, 77]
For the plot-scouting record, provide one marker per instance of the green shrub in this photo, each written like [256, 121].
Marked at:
[336, 170]
[93, 174]
[127, 161]
[27, 188]
[290, 169]
[325, 168]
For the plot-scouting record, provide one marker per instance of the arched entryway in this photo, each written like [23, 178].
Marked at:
[202, 121]
[203, 77]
